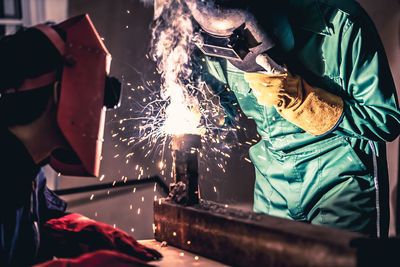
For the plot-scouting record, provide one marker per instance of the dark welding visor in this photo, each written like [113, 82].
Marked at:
[235, 46]
[237, 35]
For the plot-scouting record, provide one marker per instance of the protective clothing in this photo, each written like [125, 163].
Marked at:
[82, 235]
[229, 29]
[274, 90]
[80, 63]
[83, 78]
[338, 179]
[313, 109]
[36, 59]
[34, 226]
[99, 258]
[25, 203]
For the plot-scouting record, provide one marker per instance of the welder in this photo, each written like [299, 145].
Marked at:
[315, 78]
[54, 92]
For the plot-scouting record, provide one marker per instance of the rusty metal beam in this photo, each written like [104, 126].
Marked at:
[250, 239]
[185, 164]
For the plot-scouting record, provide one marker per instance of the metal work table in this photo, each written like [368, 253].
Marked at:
[177, 257]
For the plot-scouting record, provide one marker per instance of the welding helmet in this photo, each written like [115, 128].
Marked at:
[241, 30]
[84, 93]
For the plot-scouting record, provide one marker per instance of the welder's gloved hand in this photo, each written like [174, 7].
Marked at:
[100, 258]
[75, 234]
[313, 109]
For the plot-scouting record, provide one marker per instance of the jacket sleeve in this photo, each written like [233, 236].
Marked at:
[50, 205]
[370, 102]
[218, 84]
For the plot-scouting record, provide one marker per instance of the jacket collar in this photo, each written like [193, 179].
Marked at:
[308, 15]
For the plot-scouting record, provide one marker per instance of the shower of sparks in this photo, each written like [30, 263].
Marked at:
[182, 103]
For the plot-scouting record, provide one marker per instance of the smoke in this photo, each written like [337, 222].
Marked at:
[172, 46]
[147, 2]
[183, 103]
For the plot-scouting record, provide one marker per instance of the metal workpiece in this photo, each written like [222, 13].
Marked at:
[185, 148]
[243, 238]
[186, 142]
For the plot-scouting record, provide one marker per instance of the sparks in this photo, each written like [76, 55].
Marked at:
[161, 164]
[181, 103]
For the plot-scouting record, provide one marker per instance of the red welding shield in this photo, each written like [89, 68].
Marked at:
[85, 93]
[72, 54]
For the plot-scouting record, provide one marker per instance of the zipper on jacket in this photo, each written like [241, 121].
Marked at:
[377, 205]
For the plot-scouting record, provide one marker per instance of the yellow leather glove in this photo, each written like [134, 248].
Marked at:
[313, 109]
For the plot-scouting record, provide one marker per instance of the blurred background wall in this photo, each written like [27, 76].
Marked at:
[386, 16]
[124, 26]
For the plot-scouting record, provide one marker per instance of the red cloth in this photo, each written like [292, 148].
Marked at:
[98, 258]
[75, 234]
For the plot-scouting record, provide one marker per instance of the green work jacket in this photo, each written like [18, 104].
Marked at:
[338, 179]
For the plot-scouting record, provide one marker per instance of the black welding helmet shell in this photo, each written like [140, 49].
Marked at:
[241, 30]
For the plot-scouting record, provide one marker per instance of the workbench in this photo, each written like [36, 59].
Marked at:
[173, 256]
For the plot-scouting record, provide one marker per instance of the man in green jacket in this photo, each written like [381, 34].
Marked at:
[323, 100]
